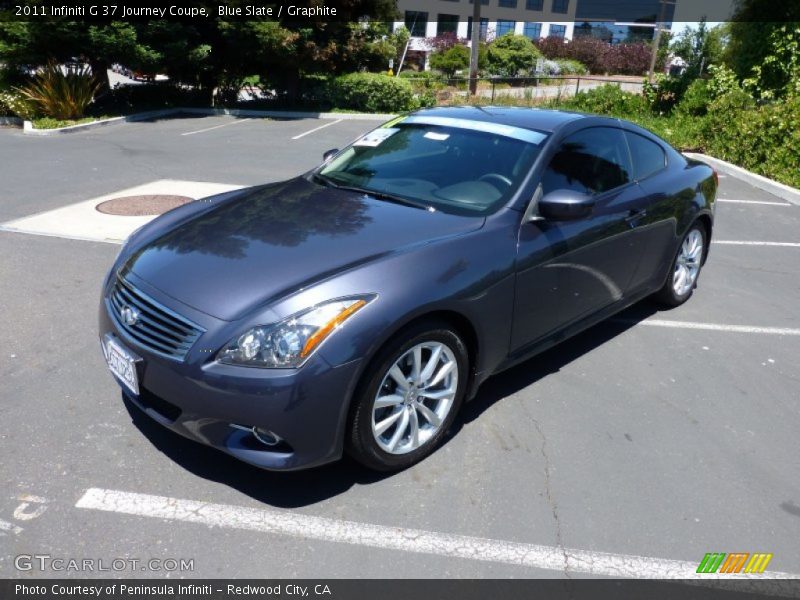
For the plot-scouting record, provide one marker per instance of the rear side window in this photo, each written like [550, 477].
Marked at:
[590, 161]
[648, 157]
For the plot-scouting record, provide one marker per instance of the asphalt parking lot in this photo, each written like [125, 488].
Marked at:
[633, 449]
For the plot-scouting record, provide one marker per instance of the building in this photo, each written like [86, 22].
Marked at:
[613, 22]
[532, 18]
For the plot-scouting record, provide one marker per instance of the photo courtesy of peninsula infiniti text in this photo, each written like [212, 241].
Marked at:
[355, 308]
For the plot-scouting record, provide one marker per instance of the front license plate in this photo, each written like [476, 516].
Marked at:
[122, 364]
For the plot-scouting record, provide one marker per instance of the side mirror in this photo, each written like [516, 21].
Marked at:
[330, 154]
[565, 205]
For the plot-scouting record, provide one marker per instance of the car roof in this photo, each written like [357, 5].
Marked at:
[527, 118]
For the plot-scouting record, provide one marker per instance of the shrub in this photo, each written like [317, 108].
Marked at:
[608, 100]
[764, 139]
[696, 99]
[723, 81]
[512, 55]
[61, 93]
[150, 96]
[568, 66]
[627, 59]
[13, 103]
[587, 50]
[373, 92]
[665, 92]
[455, 58]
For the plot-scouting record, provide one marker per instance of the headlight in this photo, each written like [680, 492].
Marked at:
[290, 342]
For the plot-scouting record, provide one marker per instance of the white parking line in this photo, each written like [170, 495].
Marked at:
[711, 326]
[236, 122]
[297, 137]
[755, 243]
[731, 200]
[394, 538]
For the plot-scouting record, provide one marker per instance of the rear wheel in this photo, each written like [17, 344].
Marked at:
[409, 398]
[685, 268]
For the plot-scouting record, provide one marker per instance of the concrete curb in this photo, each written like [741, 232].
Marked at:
[780, 190]
[10, 122]
[28, 129]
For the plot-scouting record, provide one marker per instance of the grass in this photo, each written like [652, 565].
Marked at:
[51, 123]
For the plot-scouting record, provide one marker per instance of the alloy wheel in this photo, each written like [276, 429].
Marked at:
[687, 265]
[415, 397]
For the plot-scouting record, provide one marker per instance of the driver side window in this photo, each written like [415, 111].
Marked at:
[590, 161]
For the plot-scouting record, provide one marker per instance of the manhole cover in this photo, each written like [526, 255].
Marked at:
[140, 206]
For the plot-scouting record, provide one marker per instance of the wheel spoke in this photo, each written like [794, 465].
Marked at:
[414, 422]
[681, 280]
[430, 366]
[416, 364]
[381, 427]
[401, 429]
[384, 401]
[430, 416]
[442, 373]
[436, 394]
[399, 378]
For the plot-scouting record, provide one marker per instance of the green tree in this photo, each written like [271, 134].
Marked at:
[753, 23]
[451, 60]
[511, 55]
[699, 47]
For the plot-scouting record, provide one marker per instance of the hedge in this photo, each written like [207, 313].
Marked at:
[371, 92]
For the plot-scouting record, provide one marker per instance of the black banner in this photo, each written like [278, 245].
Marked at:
[314, 11]
[403, 589]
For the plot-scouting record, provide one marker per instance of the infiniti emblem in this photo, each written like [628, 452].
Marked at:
[129, 315]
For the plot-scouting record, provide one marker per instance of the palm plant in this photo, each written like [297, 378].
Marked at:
[61, 92]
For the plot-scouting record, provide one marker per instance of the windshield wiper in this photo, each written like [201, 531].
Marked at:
[329, 182]
[324, 180]
[388, 197]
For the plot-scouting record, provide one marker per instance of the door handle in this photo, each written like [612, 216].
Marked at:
[634, 215]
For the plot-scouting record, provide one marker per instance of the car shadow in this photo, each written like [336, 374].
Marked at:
[551, 361]
[302, 488]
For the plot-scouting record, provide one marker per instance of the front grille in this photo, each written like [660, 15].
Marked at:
[156, 328]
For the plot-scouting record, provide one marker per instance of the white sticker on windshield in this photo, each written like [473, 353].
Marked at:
[439, 137]
[377, 137]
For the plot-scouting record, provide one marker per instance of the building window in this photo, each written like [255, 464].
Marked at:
[560, 6]
[557, 31]
[416, 22]
[483, 2]
[533, 30]
[504, 27]
[534, 4]
[446, 24]
[484, 28]
[507, 4]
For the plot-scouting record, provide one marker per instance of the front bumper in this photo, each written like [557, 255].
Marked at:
[201, 399]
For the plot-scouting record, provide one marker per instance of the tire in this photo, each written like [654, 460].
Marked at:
[685, 268]
[378, 445]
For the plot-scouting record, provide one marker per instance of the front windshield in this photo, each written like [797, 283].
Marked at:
[450, 168]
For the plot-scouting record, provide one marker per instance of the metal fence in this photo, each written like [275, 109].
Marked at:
[533, 87]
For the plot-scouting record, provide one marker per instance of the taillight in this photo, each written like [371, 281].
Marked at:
[716, 176]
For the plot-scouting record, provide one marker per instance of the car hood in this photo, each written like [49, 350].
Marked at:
[264, 243]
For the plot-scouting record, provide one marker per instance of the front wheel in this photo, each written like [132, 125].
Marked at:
[409, 398]
[685, 268]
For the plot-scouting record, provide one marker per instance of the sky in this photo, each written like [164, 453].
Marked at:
[678, 27]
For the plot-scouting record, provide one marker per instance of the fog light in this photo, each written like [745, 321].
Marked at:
[266, 437]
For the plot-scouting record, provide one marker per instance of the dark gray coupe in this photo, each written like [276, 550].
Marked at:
[355, 308]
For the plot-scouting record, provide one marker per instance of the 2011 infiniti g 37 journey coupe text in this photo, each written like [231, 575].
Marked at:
[356, 307]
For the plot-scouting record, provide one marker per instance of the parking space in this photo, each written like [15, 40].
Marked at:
[632, 449]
